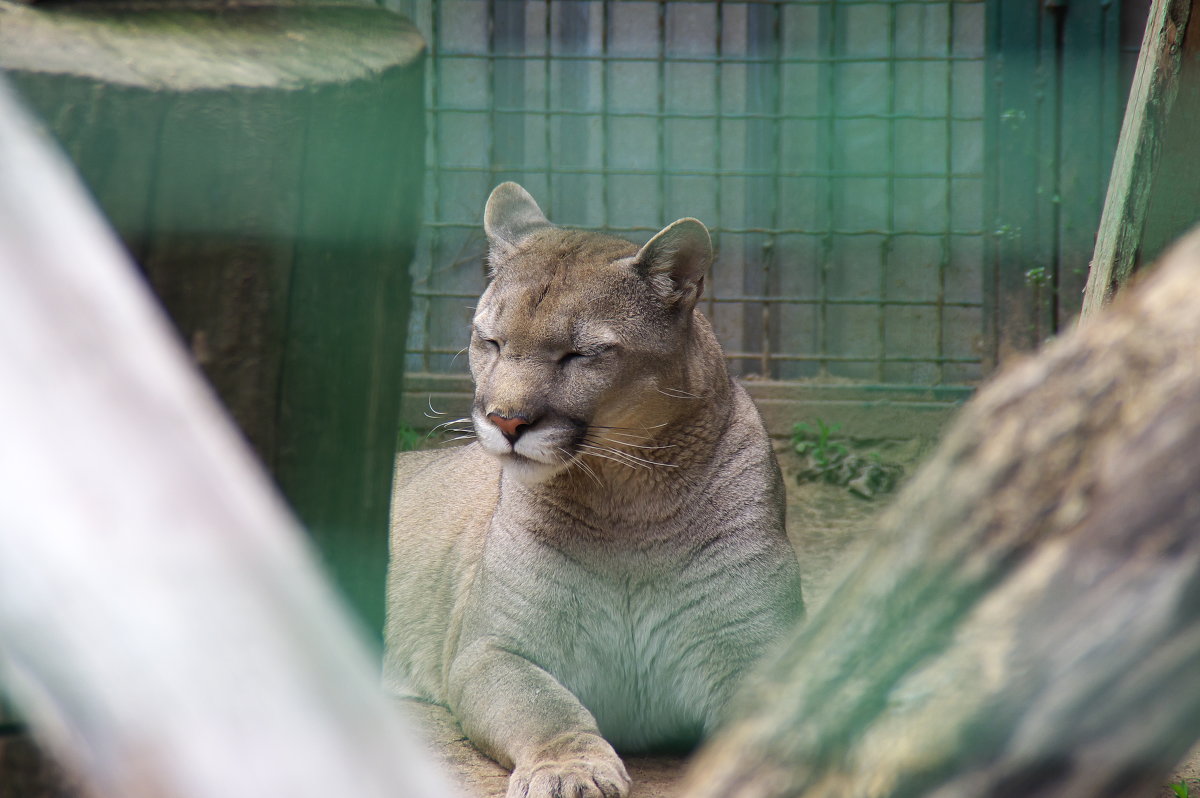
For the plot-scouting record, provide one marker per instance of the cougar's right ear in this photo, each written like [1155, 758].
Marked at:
[511, 215]
[674, 261]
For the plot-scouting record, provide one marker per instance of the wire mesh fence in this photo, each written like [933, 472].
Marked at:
[834, 148]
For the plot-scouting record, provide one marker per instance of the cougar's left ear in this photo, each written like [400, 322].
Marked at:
[675, 261]
[511, 215]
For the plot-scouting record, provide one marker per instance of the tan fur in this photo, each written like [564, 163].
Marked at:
[604, 580]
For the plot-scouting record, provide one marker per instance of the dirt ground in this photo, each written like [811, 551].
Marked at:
[825, 523]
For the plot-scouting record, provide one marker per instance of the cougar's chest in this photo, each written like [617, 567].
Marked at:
[637, 663]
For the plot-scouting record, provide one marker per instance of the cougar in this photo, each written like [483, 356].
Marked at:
[594, 572]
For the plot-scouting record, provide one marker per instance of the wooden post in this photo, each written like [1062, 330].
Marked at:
[1026, 621]
[1141, 160]
[262, 162]
[163, 626]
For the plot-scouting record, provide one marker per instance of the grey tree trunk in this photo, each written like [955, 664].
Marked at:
[1027, 621]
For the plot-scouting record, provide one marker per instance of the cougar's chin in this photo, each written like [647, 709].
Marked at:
[528, 470]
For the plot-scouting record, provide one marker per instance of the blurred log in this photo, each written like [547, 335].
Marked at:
[163, 627]
[1027, 622]
[26, 771]
[262, 162]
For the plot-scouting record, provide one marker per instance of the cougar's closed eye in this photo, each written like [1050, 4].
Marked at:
[492, 343]
[586, 353]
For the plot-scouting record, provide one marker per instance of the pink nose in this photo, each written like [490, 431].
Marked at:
[511, 427]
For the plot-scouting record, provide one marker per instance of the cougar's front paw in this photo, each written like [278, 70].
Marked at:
[581, 766]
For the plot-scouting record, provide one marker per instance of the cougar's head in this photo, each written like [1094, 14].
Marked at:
[579, 337]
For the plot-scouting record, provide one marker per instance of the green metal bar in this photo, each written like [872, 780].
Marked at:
[434, 180]
[827, 81]
[692, 115]
[787, 300]
[660, 126]
[760, 173]
[718, 159]
[472, 225]
[604, 113]
[700, 59]
[760, 201]
[1087, 142]
[886, 245]
[734, 355]
[948, 189]
[547, 128]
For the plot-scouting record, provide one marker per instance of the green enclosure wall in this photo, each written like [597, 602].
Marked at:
[899, 191]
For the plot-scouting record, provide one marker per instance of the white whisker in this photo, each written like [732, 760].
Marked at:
[598, 438]
[679, 393]
[630, 459]
[644, 460]
[626, 434]
[436, 413]
[449, 423]
[587, 469]
[582, 466]
[605, 454]
[638, 429]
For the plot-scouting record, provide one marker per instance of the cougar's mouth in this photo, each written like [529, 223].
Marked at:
[532, 453]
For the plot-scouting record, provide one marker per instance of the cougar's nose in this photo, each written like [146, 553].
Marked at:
[511, 427]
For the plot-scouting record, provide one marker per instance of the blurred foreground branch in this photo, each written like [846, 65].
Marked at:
[1027, 622]
[162, 626]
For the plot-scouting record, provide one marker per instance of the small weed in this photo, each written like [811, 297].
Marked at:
[1182, 789]
[817, 442]
[1007, 232]
[1037, 277]
[409, 439]
[830, 460]
[1013, 116]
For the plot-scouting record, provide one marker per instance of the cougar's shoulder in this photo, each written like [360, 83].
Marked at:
[448, 489]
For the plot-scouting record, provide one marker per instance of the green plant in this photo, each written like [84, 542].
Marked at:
[826, 459]
[1037, 277]
[1013, 116]
[409, 439]
[1181, 788]
[816, 441]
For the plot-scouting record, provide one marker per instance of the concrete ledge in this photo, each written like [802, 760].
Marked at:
[863, 412]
